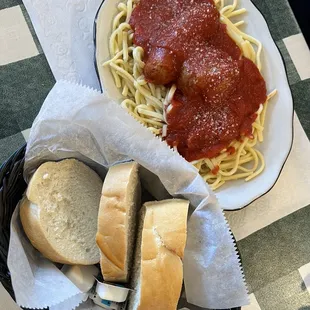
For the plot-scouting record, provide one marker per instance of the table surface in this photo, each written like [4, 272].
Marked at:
[273, 233]
[301, 9]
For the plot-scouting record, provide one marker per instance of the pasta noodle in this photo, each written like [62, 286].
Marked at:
[148, 102]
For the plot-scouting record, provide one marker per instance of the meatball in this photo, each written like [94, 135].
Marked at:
[210, 73]
[161, 66]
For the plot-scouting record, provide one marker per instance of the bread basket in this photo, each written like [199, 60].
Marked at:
[12, 187]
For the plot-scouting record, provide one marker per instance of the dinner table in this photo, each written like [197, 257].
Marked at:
[273, 232]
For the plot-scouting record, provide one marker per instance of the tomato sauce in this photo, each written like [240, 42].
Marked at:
[218, 90]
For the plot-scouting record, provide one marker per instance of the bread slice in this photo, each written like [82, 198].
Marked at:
[120, 201]
[158, 270]
[59, 214]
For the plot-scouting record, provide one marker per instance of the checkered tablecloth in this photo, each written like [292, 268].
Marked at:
[273, 233]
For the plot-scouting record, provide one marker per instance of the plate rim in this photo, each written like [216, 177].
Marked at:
[282, 165]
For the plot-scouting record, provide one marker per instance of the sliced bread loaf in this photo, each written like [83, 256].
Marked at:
[120, 200]
[158, 269]
[60, 210]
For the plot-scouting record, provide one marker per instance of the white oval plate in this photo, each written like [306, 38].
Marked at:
[278, 134]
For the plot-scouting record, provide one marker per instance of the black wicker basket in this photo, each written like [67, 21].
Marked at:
[12, 188]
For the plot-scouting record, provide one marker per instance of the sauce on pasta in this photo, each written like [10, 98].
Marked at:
[218, 89]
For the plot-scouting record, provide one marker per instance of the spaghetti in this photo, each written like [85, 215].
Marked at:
[148, 102]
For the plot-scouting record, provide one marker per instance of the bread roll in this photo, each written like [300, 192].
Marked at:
[120, 200]
[59, 214]
[158, 269]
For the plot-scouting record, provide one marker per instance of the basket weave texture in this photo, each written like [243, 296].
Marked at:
[12, 187]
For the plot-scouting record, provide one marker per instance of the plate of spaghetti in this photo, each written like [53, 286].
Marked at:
[207, 77]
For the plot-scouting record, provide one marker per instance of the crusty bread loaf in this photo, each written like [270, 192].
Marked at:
[158, 269]
[120, 200]
[59, 214]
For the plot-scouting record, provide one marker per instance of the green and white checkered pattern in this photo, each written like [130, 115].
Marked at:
[25, 76]
[273, 233]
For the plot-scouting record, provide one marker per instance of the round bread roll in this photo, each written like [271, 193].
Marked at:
[59, 214]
